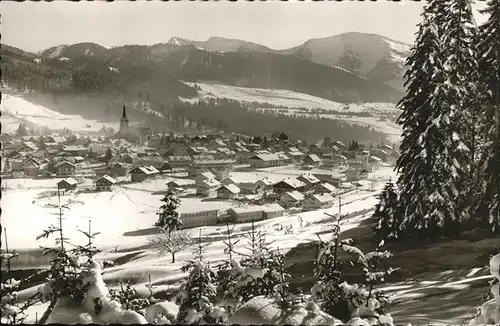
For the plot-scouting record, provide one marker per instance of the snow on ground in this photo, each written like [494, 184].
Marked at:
[18, 109]
[286, 98]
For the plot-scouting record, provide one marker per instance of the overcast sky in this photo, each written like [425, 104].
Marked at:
[33, 26]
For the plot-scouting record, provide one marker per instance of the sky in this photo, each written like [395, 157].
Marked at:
[34, 26]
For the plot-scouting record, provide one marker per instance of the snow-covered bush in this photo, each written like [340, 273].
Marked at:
[489, 312]
[129, 298]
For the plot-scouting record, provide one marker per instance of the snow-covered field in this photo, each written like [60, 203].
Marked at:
[16, 109]
[290, 99]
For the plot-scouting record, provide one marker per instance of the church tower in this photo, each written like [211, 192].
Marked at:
[124, 131]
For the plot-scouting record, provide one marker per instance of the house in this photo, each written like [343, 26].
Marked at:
[181, 183]
[265, 186]
[67, 184]
[104, 183]
[309, 180]
[128, 158]
[296, 156]
[30, 167]
[76, 150]
[118, 169]
[28, 147]
[176, 149]
[198, 217]
[330, 178]
[246, 214]
[179, 161]
[220, 168]
[241, 155]
[288, 185]
[64, 167]
[324, 187]
[207, 188]
[356, 174]
[140, 173]
[315, 149]
[372, 163]
[272, 211]
[265, 160]
[312, 159]
[291, 199]
[204, 176]
[318, 201]
[228, 191]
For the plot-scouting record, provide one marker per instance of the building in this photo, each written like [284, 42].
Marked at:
[241, 155]
[104, 183]
[318, 201]
[288, 185]
[295, 156]
[179, 162]
[312, 159]
[64, 168]
[265, 160]
[76, 150]
[324, 187]
[272, 211]
[67, 184]
[181, 184]
[204, 176]
[140, 173]
[195, 218]
[220, 168]
[329, 178]
[125, 132]
[246, 214]
[291, 199]
[356, 174]
[228, 191]
[207, 188]
[309, 180]
[265, 186]
[31, 167]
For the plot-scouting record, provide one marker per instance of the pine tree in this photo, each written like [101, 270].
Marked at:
[431, 149]
[387, 213]
[461, 89]
[488, 207]
[169, 219]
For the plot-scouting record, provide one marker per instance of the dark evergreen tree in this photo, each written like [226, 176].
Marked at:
[387, 213]
[461, 89]
[488, 207]
[430, 165]
[169, 219]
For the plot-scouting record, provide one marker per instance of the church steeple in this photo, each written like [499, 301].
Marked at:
[124, 114]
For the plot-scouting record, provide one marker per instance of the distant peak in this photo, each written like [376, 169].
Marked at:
[178, 41]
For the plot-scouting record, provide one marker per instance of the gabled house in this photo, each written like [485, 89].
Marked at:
[177, 162]
[28, 147]
[324, 188]
[220, 168]
[64, 168]
[104, 183]
[312, 159]
[207, 188]
[228, 191]
[291, 199]
[204, 176]
[67, 184]
[140, 173]
[309, 180]
[288, 185]
[356, 174]
[76, 150]
[128, 158]
[265, 186]
[318, 201]
[31, 167]
[181, 183]
[265, 160]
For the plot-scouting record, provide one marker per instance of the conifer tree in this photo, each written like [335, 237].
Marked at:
[169, 218]
[430, 161]
[387, 213]
[488, 207]
[461, 89]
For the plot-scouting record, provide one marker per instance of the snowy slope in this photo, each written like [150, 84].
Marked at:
[19, 110]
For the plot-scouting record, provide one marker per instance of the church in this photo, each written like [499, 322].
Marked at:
[125, 132]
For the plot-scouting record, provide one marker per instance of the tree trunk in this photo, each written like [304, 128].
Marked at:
[173, 257]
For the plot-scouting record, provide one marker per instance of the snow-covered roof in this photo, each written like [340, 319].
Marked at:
[69, 181]
[232, 188]
[213, 162]
[247, 209]
[181, 182]
[294, 183]
[314, 157]
[108, 178]
[309, 178]
[146, 170]
[64, 162]
[272, 208]
[207, 175]
[327, 187]
[323, 198]
[295, 195]
[210, 183]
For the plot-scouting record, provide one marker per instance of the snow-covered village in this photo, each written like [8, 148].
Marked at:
[314, 166]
